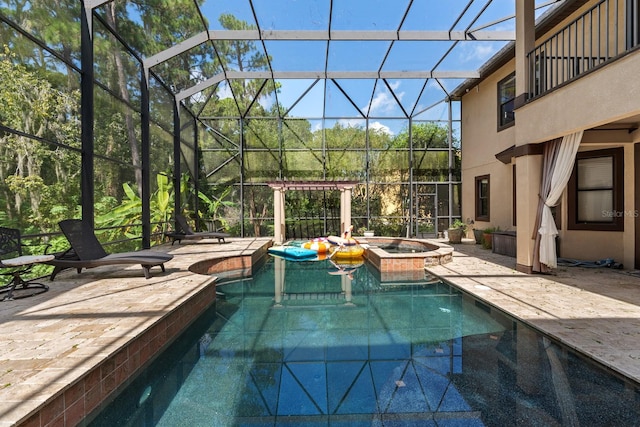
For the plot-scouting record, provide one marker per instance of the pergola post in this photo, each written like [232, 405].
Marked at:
[278, 215]
[345, 209]
[279, 270]
[279, 187]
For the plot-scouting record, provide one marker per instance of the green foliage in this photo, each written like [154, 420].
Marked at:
[459, 224]
[127, 216]
[39, 175]
[214, 204]
[424, 135]
[31, 171]
[486, 242]
[394, 227]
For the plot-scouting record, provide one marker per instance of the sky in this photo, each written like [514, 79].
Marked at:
[370, 97]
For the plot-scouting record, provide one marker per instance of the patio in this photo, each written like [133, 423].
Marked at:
[62, 352]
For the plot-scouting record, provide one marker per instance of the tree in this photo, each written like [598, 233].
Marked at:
[423, 135]
[37, 112]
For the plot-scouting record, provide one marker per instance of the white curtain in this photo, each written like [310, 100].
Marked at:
[559, 178]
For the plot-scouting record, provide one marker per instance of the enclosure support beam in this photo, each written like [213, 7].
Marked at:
[177, 172]
[145, 136]
[86, 101]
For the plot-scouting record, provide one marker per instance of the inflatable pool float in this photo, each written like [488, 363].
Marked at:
[347, 252]
[346, 266]
[342, 241]
[347, 263]
[321, 246]
[293, 252]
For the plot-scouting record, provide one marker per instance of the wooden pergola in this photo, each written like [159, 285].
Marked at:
[280, 187]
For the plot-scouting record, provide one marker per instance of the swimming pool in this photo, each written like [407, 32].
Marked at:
[309, 344]
[402, 249]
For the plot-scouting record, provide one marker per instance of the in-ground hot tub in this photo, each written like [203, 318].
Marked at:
[398, 257]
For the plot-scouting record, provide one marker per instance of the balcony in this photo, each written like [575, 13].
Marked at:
[607, 31]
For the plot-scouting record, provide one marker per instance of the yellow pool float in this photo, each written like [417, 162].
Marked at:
[347, 252]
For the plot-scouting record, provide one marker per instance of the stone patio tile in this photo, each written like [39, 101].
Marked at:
[595, 311]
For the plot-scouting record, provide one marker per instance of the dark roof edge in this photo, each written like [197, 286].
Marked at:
[547, 21]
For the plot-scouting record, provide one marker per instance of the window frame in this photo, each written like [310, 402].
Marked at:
[479, 215]
[514, 193]
[633, 23]
[617, 156]
[504, 124]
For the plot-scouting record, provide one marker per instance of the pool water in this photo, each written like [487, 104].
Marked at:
[403, 248]
[315, 344]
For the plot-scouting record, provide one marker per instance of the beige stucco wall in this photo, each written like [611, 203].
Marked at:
[596, 245]
[480, 143]
[606, 95]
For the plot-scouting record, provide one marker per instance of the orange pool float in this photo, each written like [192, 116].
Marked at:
[317, 245]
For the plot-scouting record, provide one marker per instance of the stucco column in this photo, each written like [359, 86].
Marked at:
[528, 164]
[278, 215]
[525, 42]
[528, 179]
[345, 209]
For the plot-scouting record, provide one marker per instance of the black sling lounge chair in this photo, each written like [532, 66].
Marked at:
[185, 232]
[87, 252]
[14, 264]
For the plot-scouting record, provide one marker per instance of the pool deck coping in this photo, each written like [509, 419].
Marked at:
[50, 340]
[595, 311]
[63, 351]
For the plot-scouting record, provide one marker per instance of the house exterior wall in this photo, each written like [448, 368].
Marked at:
[596, 245]
[481, 142]
[605, 95]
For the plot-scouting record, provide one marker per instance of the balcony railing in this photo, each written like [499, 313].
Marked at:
[601, 34]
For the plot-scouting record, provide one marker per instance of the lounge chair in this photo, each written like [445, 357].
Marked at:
[87, 252]
[185, 232]
[15, 265]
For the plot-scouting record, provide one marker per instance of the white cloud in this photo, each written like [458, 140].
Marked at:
[384, 101]
[379, 127]
[224, 91]
[361, 123]
[267, 101]
[352, 123]
[479, 52]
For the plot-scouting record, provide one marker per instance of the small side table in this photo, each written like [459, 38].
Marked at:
[19, 288]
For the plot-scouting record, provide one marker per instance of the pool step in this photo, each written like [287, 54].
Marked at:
[314, 296]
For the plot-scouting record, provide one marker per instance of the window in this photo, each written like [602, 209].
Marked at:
[482, 198]
[506, 101]
[596, 191]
